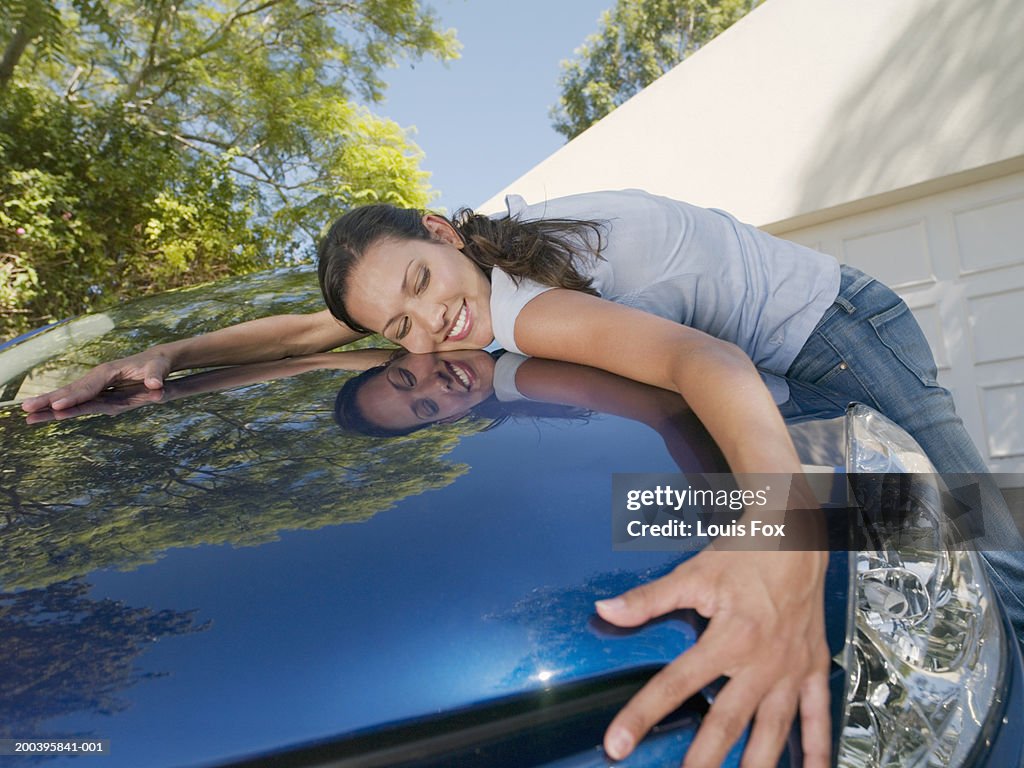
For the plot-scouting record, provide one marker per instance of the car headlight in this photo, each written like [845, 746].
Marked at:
[924, 646]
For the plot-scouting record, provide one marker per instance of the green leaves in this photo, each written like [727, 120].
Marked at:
[168, 143]
[639, 40]
[235, 466]
[232, 467]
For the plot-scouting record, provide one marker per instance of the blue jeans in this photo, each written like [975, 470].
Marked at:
[868, 348]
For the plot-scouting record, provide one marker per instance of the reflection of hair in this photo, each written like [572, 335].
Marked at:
[350, 416]
[546, 250]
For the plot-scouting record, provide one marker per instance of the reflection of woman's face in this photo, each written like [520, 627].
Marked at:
[422, 389]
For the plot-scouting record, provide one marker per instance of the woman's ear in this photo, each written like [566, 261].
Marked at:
[441, 229]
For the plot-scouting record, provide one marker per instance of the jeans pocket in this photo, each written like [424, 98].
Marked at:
[898, 330]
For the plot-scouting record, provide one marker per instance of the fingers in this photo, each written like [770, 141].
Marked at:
[772, 726]
[65, 397]
[37, 403]
[765, 634]
[70, 412]
[815, 720]
[151, 371]
[724, 723]
[679, 589]
[661, 695]
[80, 391]
[729, 714]
[111, 405]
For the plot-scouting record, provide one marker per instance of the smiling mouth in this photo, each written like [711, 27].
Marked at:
[461, 374]
[460, 328]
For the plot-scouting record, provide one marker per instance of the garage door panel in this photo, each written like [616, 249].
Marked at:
[994, 318]
[1003, 408]
[990, 235]
[957, 258]
[898, 256]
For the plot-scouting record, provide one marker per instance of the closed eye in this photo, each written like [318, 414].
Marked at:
[404, 326]
[423, 281]
[400, 378]
[425, 409]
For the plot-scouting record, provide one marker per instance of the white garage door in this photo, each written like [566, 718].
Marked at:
[957, 258]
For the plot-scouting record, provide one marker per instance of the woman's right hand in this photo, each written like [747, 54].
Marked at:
[266, 338]
[766, 634]
[149, 367]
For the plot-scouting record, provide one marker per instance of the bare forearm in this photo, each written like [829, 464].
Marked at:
[724, 389]
[717, 380]
[268, 338]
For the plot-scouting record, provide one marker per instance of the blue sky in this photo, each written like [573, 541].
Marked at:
[483, 119]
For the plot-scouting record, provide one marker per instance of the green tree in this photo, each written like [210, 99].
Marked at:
[232, 467]
[151, 144]
[638, 41]
[235, 466]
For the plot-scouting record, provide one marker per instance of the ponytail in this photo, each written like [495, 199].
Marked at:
[548, 251]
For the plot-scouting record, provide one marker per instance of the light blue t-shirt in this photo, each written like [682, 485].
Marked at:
[696, 266]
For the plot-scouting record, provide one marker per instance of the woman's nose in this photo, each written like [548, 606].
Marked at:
[441, 383]
[433, 319]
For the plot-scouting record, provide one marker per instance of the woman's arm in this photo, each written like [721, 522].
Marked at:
[255, 373]
[766, 631]
[268, 338]
[129, 398]
[716, 378]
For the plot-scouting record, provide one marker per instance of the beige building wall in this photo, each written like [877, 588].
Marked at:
[889, 134]
[807, 106]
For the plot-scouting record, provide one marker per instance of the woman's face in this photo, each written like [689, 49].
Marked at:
[422, 389]
[423, 294]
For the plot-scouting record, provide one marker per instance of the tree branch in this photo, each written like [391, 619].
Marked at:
[149, 60]
[266, 177]
[217, 37]
[13, 53]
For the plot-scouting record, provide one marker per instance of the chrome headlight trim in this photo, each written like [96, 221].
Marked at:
[925, 647]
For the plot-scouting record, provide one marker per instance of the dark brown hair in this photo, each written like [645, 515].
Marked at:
[548, 251]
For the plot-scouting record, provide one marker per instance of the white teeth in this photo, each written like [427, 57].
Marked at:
[460, 323]
[461, 375]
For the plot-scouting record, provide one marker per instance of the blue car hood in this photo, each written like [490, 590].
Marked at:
[232, 575]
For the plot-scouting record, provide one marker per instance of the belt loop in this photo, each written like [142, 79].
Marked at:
[853, 282]
[848, 308]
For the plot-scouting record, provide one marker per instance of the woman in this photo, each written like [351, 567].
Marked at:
[410, 392]
[668, 294]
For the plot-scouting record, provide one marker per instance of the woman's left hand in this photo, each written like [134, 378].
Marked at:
[766, 634]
